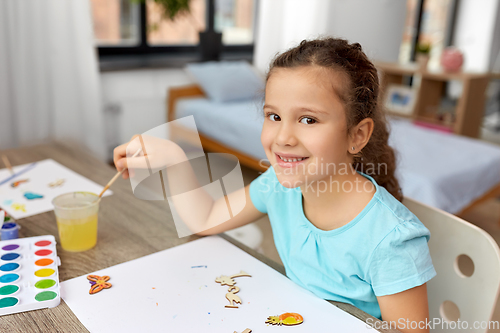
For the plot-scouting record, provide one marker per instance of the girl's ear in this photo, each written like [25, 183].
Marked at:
[360, 135]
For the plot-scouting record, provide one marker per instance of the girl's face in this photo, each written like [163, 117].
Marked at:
[305, 132]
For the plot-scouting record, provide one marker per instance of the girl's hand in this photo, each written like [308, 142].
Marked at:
[156, 154]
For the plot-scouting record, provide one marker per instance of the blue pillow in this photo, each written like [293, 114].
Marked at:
[227, 81]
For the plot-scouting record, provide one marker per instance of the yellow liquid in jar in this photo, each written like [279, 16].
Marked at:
[78, 234]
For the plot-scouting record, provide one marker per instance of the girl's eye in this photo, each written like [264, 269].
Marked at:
[273, 117]
[307, 121]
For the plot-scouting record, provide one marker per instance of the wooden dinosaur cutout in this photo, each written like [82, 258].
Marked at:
[232, 298]
[229, 280]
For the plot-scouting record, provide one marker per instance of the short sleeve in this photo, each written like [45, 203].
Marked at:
[401, 261]
[261, 188]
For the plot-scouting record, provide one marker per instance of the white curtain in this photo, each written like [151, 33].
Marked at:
[376, 24]
[283, 23]
[49, 77]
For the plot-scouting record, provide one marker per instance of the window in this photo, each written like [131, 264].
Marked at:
[116, 22]
[183, 31]
[410, 31]
[234, 18]
[127, 27]
[429, 22]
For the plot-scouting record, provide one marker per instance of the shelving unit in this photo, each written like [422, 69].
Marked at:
[470, 106]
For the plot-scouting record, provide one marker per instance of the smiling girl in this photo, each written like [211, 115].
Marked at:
[331, 194]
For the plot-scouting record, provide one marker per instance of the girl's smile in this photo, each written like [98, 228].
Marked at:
[305, 126]
[288, 160]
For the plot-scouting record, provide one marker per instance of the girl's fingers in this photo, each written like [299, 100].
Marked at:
[135, 162]
[125, 149]
[134, 145]
[119, 153]
[121, 164]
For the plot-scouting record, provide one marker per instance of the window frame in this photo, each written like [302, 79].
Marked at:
[139, 51]
[450, 29]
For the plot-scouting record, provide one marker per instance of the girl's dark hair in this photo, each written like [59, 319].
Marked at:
[360, 99]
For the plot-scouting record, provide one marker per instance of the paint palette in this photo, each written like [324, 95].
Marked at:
[29, 278]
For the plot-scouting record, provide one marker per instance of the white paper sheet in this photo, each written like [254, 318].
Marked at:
[162, 292]
[43, 173]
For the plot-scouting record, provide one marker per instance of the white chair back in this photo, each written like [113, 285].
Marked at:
[467, 262]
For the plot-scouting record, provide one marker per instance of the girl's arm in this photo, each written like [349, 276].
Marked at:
[248, 214]
[406, 309]
[198, 210]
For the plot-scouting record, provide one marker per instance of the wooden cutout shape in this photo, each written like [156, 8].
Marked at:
[58, 182]
[98, 283]
[287, 319]
[19, 182]
[229, 280]
[245, 331]
[232, 298]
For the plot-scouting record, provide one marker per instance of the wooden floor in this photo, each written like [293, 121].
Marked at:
[487, 217]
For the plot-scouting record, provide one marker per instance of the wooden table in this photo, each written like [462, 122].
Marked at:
[129, 228]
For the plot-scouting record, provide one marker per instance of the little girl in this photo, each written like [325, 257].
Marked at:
[331, 194]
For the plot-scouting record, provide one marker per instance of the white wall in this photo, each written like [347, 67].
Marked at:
[475, 33]
[495, 46]
[376, 24]
[135, 100]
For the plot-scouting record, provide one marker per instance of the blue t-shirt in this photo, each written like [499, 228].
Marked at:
[382, 251]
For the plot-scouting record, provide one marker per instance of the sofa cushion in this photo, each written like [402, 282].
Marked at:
[235, 124]
[227, 81]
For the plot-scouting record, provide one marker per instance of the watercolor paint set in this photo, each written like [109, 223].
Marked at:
[29, 278]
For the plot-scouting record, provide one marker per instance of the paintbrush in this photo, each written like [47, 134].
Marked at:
[7, 164]
[117, 175]
[29, 167]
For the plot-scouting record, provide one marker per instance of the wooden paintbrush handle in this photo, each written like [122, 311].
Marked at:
[115, 177]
